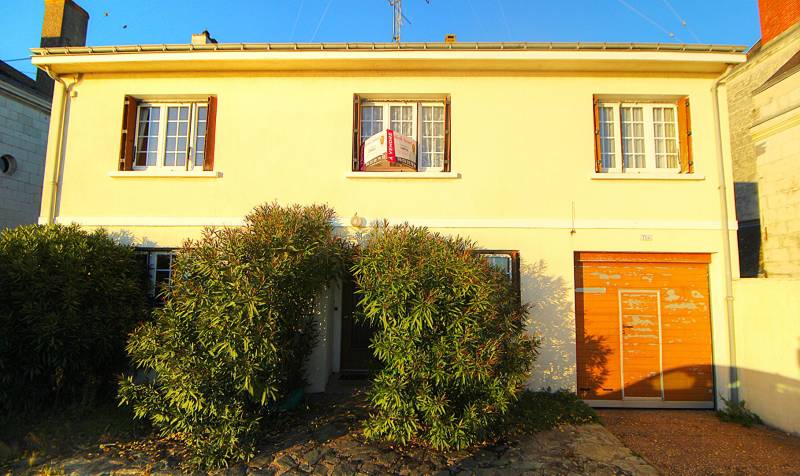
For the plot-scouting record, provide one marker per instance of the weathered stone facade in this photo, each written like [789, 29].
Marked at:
[763, 62]
[24, 122]
[25, 118]
[777, 141]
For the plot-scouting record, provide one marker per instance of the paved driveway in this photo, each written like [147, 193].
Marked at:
[693, 442]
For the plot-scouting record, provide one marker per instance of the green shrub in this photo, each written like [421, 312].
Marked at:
[69, 300]
[451, 338]
[235, 330]
[738, 413]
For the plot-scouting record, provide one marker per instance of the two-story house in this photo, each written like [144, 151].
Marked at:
[597, 175]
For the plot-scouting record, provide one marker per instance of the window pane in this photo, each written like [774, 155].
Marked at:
[401, 120]
[200, 136]
[633, 152]
[176, 146]
[431, 150]
[147, 136]
[664, 137]
[163, 261]
[501, 263]
[606, 123]
[371, 121]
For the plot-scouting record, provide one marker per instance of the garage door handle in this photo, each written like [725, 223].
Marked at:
[627, 327]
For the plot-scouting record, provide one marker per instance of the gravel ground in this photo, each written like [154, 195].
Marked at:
[695, 442]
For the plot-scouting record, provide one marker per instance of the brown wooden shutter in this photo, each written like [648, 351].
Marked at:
[128, 133]
[447, 127]
[356, 164]
[685, 135]
[515, 275]
[598, 145]
[211, 130]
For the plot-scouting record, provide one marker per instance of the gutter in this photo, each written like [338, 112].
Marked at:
[58, 150]
[458, 46]
[726, 242]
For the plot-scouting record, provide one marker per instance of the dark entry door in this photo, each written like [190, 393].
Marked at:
[356, 335]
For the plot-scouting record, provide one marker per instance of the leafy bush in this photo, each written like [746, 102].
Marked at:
[450, 336]
[738, 413]
[538, 411]
[235, 330]
[69, 300]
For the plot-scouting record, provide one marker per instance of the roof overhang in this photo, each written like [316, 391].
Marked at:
[458, 57]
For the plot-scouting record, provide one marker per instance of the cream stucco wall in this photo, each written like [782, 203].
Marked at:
[768, 349]
[522, 146]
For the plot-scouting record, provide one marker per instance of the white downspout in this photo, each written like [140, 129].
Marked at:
[56, 178]
[726, 242]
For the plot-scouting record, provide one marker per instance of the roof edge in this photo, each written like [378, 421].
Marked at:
[459, 46]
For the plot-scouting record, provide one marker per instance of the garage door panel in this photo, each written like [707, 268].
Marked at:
[643, 326]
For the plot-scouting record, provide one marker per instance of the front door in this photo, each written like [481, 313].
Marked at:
[356, 357]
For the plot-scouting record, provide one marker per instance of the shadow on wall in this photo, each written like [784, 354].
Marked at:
[553, 319]
[775, 398]
[127, 237]
[749, 233]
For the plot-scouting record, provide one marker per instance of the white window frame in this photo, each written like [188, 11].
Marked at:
[649, 139]
[191, 137]
[416, 124]
[153, 269]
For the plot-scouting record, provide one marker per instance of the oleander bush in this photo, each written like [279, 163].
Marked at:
[68, 299]
[236, 328]
[451, 338]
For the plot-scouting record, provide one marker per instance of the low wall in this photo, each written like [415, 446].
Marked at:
[767, 321]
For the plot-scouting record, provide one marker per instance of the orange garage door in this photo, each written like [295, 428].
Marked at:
[643, 329]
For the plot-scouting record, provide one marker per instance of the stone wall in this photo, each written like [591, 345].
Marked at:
[762, 63]
[777, 136]
[23, 135]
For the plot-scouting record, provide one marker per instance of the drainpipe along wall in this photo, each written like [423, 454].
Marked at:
[726, 241]
[55, 146]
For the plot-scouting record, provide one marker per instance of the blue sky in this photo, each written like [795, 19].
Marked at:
[122, 22]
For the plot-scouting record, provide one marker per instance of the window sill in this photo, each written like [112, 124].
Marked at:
[403, 175]
[632, 176]
[165, 174]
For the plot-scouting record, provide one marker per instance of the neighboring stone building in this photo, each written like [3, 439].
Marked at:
[24, 121]
[780, 41]
[776, 135]
[25, 118]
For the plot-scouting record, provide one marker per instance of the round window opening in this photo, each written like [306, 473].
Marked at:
[8, 164]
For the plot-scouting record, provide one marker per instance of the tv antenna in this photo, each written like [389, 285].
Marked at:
[399, 18]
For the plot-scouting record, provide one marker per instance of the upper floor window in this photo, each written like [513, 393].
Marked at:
[425, 122]
[174, 135]
[642, 137]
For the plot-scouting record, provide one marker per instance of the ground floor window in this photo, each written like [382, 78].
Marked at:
[158, 265]
[507, 262]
